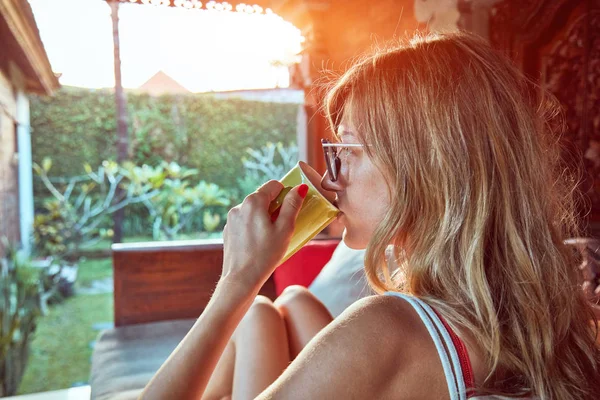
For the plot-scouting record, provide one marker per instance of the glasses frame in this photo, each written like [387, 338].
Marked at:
[332, 159]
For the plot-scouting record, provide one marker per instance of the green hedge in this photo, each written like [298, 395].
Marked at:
[198, 131]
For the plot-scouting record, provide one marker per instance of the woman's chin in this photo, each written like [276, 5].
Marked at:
[352, 241]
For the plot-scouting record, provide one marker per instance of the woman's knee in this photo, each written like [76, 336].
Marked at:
[294, 295]
[304, 316]
[262, 313]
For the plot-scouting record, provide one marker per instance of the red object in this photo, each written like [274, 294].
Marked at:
[304, 266]
[463, 356]
[303, 190]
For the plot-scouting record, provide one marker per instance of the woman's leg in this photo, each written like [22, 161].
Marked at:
[304, 316]
[261, 349]
[265, 338]
[256, 355]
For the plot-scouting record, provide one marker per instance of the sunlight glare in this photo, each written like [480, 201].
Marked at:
[204, 50]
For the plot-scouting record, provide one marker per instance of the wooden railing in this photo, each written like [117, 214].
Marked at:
[158, 281]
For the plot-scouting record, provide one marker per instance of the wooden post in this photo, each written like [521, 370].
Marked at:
[315, 56]
[121, 113]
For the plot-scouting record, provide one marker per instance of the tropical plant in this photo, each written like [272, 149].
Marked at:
[210, 221]
[19, 310]
[72, 218]
[200, 131]
[179, 200]
[269, 162]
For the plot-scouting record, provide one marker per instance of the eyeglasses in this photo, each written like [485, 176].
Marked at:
[332, 157]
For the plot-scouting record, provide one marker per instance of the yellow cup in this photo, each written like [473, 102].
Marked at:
[317, 210]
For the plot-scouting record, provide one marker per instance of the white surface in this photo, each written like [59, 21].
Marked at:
[342, 280]
[77, 393]
[25, 171]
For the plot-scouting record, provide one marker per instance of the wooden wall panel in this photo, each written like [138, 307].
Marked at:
[158, 281]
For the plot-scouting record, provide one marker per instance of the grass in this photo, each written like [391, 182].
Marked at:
[60, 352]
[93, 270]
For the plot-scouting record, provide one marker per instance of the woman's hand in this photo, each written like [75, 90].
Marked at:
[253, 243]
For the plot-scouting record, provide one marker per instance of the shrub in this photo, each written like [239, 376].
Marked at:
[272, 161]
[74, 216]
[19, 310]
[179, 198]
[211, 135]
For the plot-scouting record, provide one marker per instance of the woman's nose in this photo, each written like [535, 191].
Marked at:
[330, 186]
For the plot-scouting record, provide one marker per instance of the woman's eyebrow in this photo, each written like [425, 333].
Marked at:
[341, 132]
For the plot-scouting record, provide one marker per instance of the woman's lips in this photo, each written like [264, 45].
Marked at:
[336, 201]
[340, 212]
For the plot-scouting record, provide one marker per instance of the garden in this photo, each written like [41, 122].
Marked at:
[191, 158]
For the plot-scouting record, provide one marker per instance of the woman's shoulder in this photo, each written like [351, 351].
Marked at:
[378, 317]
[377, 346]
[392, 319]
[401, 332]
[381, 309]
[389, 329]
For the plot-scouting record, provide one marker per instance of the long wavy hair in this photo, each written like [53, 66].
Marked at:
[481, 204]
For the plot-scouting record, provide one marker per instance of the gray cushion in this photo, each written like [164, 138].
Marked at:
[126, 358]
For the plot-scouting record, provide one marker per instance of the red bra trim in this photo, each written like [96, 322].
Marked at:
[463, 356]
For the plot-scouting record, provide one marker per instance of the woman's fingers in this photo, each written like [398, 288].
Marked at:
[269, 191]
[291, 205]
[254, 244]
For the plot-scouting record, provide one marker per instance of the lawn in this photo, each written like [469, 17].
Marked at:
[93, 270]
[61, 351]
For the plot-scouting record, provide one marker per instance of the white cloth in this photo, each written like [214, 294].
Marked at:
[342, 280]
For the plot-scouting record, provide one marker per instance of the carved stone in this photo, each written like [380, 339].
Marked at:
[557, 43]
[572, 73]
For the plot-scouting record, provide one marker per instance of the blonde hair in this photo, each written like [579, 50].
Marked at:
[481, 205]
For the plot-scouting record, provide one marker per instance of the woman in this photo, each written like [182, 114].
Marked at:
[457, 172]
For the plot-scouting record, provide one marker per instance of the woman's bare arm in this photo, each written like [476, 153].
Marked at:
[188, 369]
[253, 246]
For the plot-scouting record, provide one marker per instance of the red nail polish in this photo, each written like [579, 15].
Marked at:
[303, 190]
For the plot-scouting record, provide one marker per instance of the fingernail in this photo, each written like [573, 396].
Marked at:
[303, 190]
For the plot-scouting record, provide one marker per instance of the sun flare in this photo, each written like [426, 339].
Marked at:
[203, 50]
